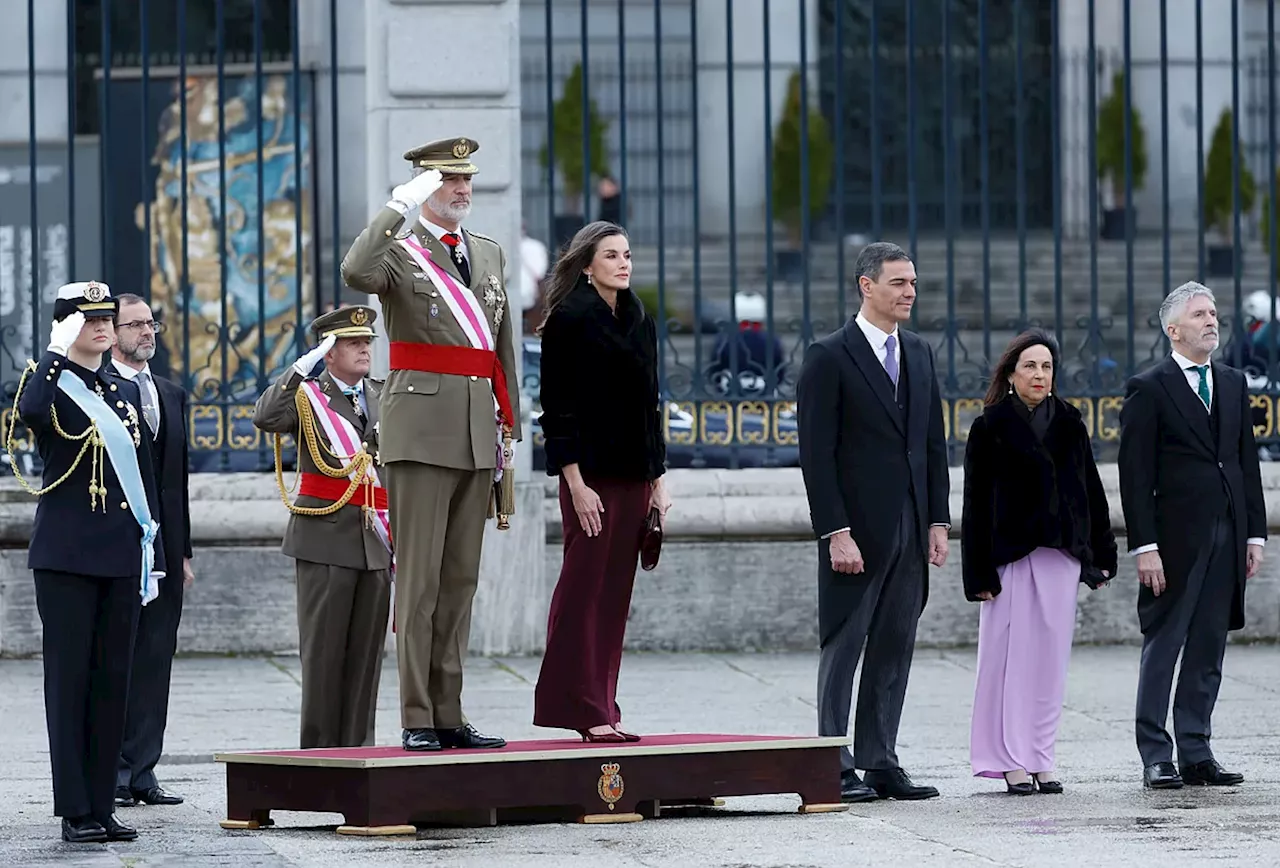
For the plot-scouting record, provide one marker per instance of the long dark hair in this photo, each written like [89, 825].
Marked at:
[576, 256]
[1009, 361]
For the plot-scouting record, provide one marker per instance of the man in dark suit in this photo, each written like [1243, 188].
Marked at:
[874, 457]
[164, 410]
[1196, 520]
[342, 547]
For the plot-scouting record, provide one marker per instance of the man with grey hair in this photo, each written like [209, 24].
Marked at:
[1196, 521]
[873, 453]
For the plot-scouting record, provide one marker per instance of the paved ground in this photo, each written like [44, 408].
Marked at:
[1105, 818]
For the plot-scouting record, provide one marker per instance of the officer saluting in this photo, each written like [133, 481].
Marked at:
[338, 530]
[95, 551]
[451, 395]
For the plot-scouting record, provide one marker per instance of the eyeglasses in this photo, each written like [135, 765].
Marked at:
[139, 325]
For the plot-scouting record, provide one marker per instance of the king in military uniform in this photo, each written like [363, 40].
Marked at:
[338, 531]
[95, 551]
[450, 409]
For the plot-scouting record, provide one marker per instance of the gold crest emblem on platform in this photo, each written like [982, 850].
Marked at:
[94, 292]
[359, 317]
[461, 149]
[610, 786]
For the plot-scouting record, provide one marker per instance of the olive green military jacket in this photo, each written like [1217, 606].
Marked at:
[445, 420]
[342, 538]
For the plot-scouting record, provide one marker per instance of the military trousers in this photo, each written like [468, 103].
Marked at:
[89, 624]
[342, 627]
[438, 516]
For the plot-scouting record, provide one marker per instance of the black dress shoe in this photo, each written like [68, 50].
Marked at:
[1023, 788]
[1210, 774]
[124, 798]
[852, 789]
[83, 830]
[155, 796]
[1049, 787]
[1161, 776]
[466, 737]
[118, 831]
[896, 784]
[419, 739]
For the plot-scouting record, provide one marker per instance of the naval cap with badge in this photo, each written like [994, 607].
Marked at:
[90, 297]
[353, 321]
[447, 156]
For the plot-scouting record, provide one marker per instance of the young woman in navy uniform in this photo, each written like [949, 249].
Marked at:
[95, 551]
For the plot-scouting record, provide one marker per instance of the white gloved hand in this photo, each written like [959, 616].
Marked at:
[305, 364]
[63, 334]
[418, 190]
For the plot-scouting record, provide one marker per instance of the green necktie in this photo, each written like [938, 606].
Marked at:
[1203, 371]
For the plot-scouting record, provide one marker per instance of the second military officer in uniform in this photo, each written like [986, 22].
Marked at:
[451, 393]
[338, 530]
[95, 552]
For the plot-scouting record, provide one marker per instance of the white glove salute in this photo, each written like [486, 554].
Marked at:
[416, 191]
[305, 364]
[63, 334]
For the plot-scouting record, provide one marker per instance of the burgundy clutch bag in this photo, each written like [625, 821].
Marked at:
[651, 541]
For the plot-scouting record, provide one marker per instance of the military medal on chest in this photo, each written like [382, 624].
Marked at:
[494, 297]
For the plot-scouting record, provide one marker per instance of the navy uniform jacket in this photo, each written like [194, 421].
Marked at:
[70, 534]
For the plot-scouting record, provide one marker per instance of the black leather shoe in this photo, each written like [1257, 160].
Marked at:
[852, 789]
[1161, 776]
[419, 739]
[124, 798]
[896, 784]
[118, 831]
[1051, 788]
[1209, 774]
[1023, 788]
[466, 737]
[155, 796]
[83, 830]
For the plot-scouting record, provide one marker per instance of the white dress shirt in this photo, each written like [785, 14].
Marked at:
[439, 231]
[879, 341]
[1193, 383]
[150, 396]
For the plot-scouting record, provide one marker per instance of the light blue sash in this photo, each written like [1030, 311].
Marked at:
[124, 460]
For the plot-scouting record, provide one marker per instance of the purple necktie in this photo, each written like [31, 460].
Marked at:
[891, 359]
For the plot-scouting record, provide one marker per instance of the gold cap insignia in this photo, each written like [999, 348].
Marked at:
[94, 292]
[359, 317]
[461, 149]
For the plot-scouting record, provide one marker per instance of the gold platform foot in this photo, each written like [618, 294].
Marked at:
[240, 824]
[377, 831]
[611, 818]
[820, 808]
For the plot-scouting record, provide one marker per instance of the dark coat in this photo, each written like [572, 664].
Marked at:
[1177, 478]
[173, 477]
[1021, 493]
[70, 535]
[861, 462]
[599, 388]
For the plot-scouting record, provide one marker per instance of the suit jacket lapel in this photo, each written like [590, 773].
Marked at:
[1227, 423]
[864, 359]
[1189, 405]
[371, 391]
[440, 254]
[915, 358]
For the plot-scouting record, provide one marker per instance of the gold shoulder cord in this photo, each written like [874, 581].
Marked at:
[360, 462]
[91, 437]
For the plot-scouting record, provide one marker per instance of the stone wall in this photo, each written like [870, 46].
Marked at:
[738, 573]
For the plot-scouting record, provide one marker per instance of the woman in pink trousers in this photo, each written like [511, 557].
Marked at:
[1036, 525]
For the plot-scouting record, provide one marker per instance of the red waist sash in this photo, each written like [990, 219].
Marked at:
[459, 361]
[328, 488]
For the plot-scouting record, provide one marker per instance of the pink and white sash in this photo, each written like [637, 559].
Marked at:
[466, 309]
[345, 442]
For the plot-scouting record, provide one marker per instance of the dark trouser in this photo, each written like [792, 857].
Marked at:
[89, 626]
[578, 680]
[885, 621]
[342, 626]
[1196, 626]
[148, 710]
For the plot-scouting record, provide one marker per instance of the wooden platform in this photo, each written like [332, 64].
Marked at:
[390, 791]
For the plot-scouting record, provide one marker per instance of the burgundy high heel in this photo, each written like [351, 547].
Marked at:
[601, 737]
[626, 736]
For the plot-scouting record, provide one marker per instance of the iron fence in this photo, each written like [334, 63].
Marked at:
[1044, 164]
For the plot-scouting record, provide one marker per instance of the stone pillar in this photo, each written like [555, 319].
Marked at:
[434, 71]
[744, 120]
